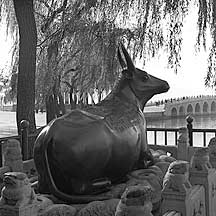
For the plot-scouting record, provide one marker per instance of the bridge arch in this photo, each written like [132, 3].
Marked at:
[213, 107]
[205, 107]
[189, 109]
[173, 111]
[181, 111]
[197, 108]
[191, 105]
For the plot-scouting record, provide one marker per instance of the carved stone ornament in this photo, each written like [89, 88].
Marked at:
[200, 160]
[136, 200]
[177, 177]
[17, 190]
[183, 135]
[212, 147]
[12, 155]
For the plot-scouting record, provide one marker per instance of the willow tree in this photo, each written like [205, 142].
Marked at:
[26, 26]
[82, 37]
[77, 40]
[27, 60]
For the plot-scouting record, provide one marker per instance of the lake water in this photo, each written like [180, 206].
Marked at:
[8, 126]
[8, 122]
[200, 122]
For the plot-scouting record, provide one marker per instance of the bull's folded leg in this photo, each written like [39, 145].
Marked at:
[96, 186]
[43, 186]
[120, 180]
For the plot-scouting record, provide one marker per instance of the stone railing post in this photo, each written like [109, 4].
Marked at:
[136, 200]
[212, 151]
[189, 120]
[12, 156]
[202, 173]
[24, 125]
[179, 195]
[17, 196]
[183, 144]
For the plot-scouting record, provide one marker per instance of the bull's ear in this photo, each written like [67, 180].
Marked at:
[125, 71]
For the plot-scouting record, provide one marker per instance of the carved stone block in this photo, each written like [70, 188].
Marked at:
[94, 208]
[191, 203]
[136, 200]
[178, 193]
[212, 151]
[177, 177]
[17, 196]
[201, 173]
[28, 210]
[183, 144]
[12, 155]
[42, 202]
[59, 209]
[200, 161]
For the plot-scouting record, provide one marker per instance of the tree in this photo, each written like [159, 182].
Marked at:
[27, 61]
[19, 16]
[155, 25]
[85, 35]
[82, 37]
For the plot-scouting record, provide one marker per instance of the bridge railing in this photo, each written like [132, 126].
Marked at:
[192, 131]
[165, 131]
[169, 135]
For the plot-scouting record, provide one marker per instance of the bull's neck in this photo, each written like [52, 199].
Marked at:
[128, 95]
[137, 97]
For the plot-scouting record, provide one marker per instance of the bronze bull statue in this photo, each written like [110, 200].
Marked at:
[101, 142]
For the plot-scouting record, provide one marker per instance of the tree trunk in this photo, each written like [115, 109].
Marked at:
[50, 109]
[99, 96]
[72, 102]
[61, 104]
[27, 62]
[92, 99]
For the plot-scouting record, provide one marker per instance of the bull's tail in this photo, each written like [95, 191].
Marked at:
[53, 189]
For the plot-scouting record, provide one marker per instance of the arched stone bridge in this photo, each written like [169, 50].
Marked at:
[199, 105]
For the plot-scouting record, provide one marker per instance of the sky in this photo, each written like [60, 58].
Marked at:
[189, 81]
[5, 47]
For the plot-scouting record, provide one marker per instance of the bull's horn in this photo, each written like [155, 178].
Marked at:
[129, 61]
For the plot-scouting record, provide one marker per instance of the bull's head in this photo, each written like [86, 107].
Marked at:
[144, 85]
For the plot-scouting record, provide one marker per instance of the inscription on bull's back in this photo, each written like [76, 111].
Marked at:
[117, 113]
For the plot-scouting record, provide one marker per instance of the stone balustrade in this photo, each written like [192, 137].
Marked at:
[191, 193]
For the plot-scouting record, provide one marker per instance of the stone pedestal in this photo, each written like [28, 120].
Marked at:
[178, 194]
[212, 151]
[17, 196]
[183, 144]
[189, 203]
[12, 155]
[28, 210]
[206, 177]
[136, 200]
